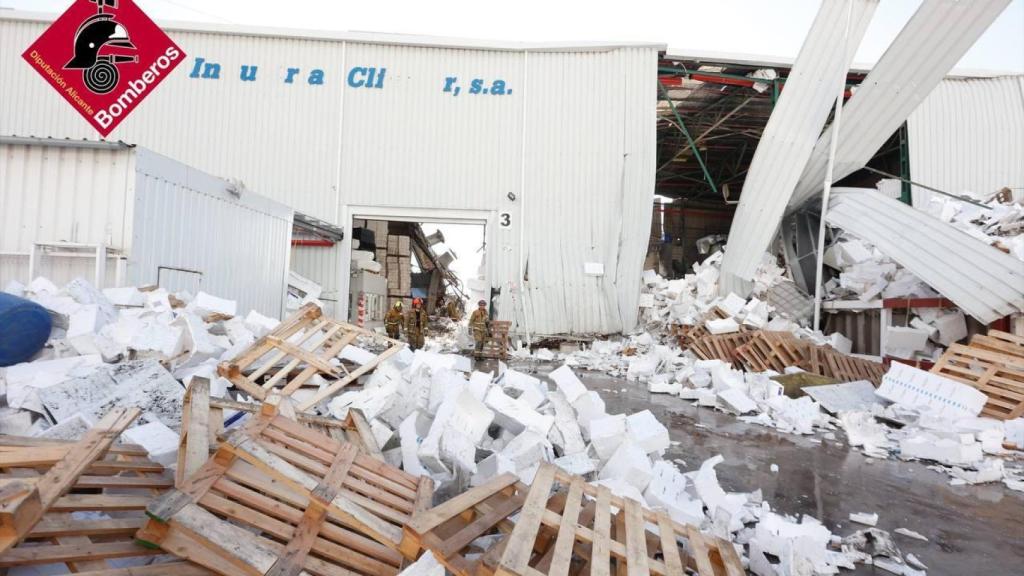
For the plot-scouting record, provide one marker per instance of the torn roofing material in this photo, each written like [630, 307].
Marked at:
[932, 42]
[983, 281]
[789, 137]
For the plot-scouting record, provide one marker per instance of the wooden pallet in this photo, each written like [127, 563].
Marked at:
[825, 361]
[771, 351]
[275, 363]
[119, 484]
[573, 531]
[999, 376]
[998, 341]
[496, 345]
[202, 422]
[279, 498]
[721, 347]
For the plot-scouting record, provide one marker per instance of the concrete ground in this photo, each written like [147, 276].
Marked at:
[971, 530]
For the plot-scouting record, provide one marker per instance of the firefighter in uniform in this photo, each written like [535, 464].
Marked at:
[416, 325]
[393, 321]
[480, 324]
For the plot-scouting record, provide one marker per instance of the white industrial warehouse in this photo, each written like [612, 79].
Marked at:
[541, 140]
[357, 303]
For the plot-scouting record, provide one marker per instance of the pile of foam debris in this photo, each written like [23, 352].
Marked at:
[463, 428]
[121, 347]
[960, 443]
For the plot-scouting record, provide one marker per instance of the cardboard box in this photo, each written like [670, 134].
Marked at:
[403, 245]
[392, 245]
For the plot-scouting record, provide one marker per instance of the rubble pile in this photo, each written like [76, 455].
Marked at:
[121, 347]
[655, 358]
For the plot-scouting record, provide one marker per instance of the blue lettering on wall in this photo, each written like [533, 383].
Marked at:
[363, 77]
[357, 77]
[476, 86]
[248, 73]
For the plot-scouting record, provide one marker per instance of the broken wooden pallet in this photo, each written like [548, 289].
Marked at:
[999, 376]
[721, 346]
[771, 351]
[306, 502]
[23, 502]
[203, 421]
[575, 531]
[825, 361]
[117, 485]
[496, 345]
[301, 347]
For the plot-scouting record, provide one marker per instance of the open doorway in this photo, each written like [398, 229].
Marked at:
[401, 259]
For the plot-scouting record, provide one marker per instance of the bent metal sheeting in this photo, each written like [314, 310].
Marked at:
[983, 281]
[789, 137]
[938, 35]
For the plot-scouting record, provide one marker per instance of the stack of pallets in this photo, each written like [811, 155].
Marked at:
[280, 498]
[507, 528]
[496, 345]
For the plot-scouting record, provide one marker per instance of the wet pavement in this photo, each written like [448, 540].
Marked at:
[972, 530]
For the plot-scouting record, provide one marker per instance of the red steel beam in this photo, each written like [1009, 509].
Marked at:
[315, 243]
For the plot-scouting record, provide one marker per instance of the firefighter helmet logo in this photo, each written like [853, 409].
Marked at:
[104, 57]
[99, 32]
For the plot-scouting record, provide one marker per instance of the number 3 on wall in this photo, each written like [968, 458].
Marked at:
[505, 219]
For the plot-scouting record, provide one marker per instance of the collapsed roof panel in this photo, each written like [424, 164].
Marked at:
[983, 281]
[794, 127]
[937, 36]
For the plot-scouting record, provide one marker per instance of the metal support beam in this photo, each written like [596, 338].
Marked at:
[905, 193]
[693, 145]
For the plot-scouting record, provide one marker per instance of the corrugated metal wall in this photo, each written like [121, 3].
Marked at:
[60, 194]
[968, 136]
[186, 221]
[585, 118]
[320, 265]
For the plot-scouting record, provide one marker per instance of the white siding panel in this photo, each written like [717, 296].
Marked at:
[982, 280]
[186, 219]
[968, 136]
[937, 36]
[789, 137]
[278, 138]
[320, 264]
[60, 194]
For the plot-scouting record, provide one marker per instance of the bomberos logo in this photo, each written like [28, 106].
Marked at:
[104, 57]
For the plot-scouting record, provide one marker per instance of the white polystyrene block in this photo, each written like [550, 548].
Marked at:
[630, 464]
[649, 434]
[722, 326]
[160, 442]
[516, 415]
[568, 383]
[207, 303]
[588, 406]
[606, 433]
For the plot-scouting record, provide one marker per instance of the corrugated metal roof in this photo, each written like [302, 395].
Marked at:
[932, 42]
[968, 136]
[789, 137]
[367, 37]
[983, 281]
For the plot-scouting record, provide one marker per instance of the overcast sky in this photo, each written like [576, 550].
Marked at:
[774, 28]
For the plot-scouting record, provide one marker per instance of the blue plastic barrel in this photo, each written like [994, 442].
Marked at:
[24, 328]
